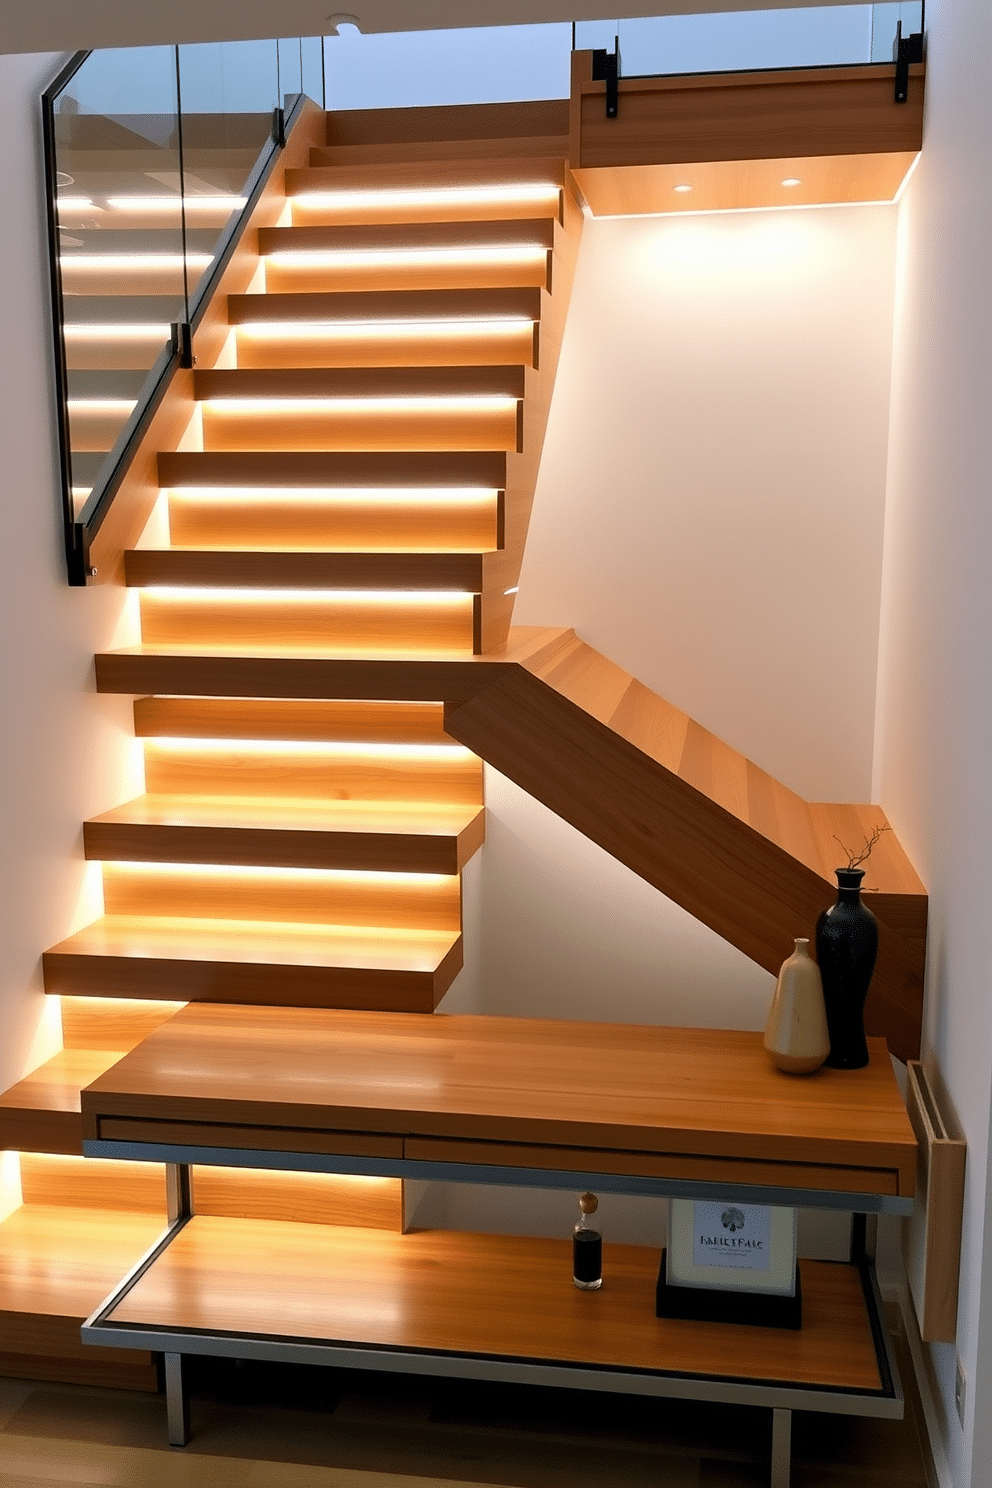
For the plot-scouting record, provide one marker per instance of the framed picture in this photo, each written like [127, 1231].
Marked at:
[732, 1246]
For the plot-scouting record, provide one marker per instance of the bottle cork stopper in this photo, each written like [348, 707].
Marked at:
[588, 1203]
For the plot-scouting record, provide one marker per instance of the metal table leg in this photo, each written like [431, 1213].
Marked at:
[176, 1401]
[781, 1448]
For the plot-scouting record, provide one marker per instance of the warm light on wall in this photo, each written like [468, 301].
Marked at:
[100, 405]
[523, 191]
[792, 181]
[682, 188]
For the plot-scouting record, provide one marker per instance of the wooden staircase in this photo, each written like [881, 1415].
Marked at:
[345, 481]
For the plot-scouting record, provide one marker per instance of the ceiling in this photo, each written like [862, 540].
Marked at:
[71, 25]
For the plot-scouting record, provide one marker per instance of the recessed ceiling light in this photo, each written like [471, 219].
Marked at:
[792, 181]
[683, 188]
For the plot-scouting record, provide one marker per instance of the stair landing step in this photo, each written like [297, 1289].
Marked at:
[361, 835]
[273, 964]
[41, 1112]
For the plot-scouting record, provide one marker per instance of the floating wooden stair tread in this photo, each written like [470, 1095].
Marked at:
[287, 569]
[365, 306]
[57, 1264]
[41, 1112]
[433, 1291]
[382, 836]
[243, 962]
[435, 175]
[396, 236]
[363, 382]
[327, 468]
[290, 719]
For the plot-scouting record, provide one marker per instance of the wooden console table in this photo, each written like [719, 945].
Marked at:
[508, 1101]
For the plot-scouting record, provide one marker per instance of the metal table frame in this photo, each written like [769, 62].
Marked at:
[781, 1399]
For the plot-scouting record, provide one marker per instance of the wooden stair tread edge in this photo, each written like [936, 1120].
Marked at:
[303, 568]
[525, 302]
[283, 943]
[398, 235]
[427, 818]
[888, 870]
[330, 468]
[55, 1084]
[439, 173]
[361, 382]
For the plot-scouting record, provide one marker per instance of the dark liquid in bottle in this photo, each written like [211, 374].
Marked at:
[587, 1255]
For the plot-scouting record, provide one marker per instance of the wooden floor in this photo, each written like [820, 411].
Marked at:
[266, 1426]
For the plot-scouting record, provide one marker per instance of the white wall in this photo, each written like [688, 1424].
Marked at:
[709, 510]
[935, 708]
[64, 752]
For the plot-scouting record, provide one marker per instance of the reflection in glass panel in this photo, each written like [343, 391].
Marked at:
[313, 68]
[228, 90]
[120, 241]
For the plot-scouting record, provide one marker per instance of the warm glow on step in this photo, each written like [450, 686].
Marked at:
[442, 753]
[300, 258]
[258, 597]
[439, 196]
[283, 330]
[461, 403]
[350, 495]
[100, 405]
[250, 872]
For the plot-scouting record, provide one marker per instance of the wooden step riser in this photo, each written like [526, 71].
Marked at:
[335, 524]
[283, 277]
[341, 624]
[229, 427]
[458, 572]
[443, 345]
[452, 778]
[251, 984]
[324, 897]
[315, 214]
[383, 852]
[287, 719]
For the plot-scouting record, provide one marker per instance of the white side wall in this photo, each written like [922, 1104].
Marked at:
[709, 511]
[935, 707]
[63, 752]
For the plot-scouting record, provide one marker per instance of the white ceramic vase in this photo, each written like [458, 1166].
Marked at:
[796, 1034]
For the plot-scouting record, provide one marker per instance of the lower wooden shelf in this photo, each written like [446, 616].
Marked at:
[56, 1265]
[490, 1296]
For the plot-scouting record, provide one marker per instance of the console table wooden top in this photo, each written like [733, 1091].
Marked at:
[671, 1102]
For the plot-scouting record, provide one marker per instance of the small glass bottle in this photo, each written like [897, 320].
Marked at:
[587, 1247]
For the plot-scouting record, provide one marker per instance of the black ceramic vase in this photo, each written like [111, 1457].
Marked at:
[846, 947]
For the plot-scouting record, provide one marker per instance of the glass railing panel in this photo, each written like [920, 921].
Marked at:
[120, 250]
[814, 36]
[313, 68]
[422, 69]
[228, 92]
